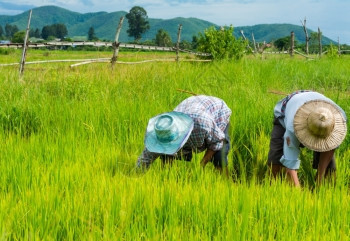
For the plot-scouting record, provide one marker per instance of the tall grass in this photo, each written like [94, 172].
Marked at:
[70, 138]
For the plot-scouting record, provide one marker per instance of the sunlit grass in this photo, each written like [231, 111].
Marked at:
[70, 139]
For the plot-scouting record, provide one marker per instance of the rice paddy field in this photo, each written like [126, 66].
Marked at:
[70, 138]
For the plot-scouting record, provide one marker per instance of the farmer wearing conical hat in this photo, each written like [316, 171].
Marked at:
[199, 123]
[306, 119]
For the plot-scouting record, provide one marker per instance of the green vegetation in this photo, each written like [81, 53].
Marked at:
[58, 30]
[272, 32]
[221, 44]
[163, 38]
[138, 23]
[70, 139]
[105, 25]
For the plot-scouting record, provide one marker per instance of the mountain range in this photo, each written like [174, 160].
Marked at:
[105, 25]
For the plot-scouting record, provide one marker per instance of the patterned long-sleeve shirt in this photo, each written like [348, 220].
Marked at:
[210, 115]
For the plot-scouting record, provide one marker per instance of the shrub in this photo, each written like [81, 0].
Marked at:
[221, 43]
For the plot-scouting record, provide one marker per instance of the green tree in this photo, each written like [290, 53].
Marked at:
[221, 43]
[91, 34]
[37, 33]
[163, 38]
[60, 30]
[184, 44]
[313, 44]
[194, 42]
[10, 30]
[18, 37]
[31, 32]
[1, 31]
[47, 31]
[138, 24]
[282, 43]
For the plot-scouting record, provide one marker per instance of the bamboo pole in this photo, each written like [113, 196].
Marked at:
[116, 43]
[254, 42]
[320, 42]
[306, 36]
[291, 44]
[178, 42]
[245, 39]
[23, 60]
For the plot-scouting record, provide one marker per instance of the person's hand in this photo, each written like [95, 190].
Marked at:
[207, 157]
[204, 162]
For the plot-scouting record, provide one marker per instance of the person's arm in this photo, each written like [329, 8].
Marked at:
[292, 176]
[207, 157]
[146, 159]
[325, 159]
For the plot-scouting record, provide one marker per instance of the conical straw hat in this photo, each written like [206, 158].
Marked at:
[320, 125]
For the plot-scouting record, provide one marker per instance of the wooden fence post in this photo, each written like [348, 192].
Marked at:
[291, 44]
[306, 37]
[245, 39]
[254, 42]
[23, 60]
[178, 42]
[116, 43]
[319, 42]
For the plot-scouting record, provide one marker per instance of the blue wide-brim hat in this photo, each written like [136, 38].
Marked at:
[168, 132]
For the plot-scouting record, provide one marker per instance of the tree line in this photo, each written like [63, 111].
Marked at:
[48, 32]
[219, 42]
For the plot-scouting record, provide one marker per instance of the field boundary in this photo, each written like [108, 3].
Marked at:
[116, 45]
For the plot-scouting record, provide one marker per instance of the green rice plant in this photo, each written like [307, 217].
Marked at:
[72, 175]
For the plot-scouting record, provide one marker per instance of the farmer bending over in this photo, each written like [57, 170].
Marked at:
[199, 123]
[306, 119]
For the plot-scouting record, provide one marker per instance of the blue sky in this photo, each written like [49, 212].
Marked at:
[331, 16]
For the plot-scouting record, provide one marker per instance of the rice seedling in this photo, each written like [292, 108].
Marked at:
[70, 139]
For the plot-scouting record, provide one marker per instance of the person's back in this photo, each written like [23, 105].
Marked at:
[211, 117]
[308, 119]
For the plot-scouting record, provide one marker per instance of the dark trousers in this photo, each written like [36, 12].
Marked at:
[276, 148]
[220, 158]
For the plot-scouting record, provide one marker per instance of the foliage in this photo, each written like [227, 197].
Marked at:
[332, 51]
[282, 43]
[18, 37]
[185, 45]
[194, 42]
[105, 24]
[314, 43]
[10, 30]
[57, 30]
[147, 42]
[163, 39]
[271, 32]
[221, 43]
[1, 31]
[138, 23]
[34, 33]
[91, 34]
